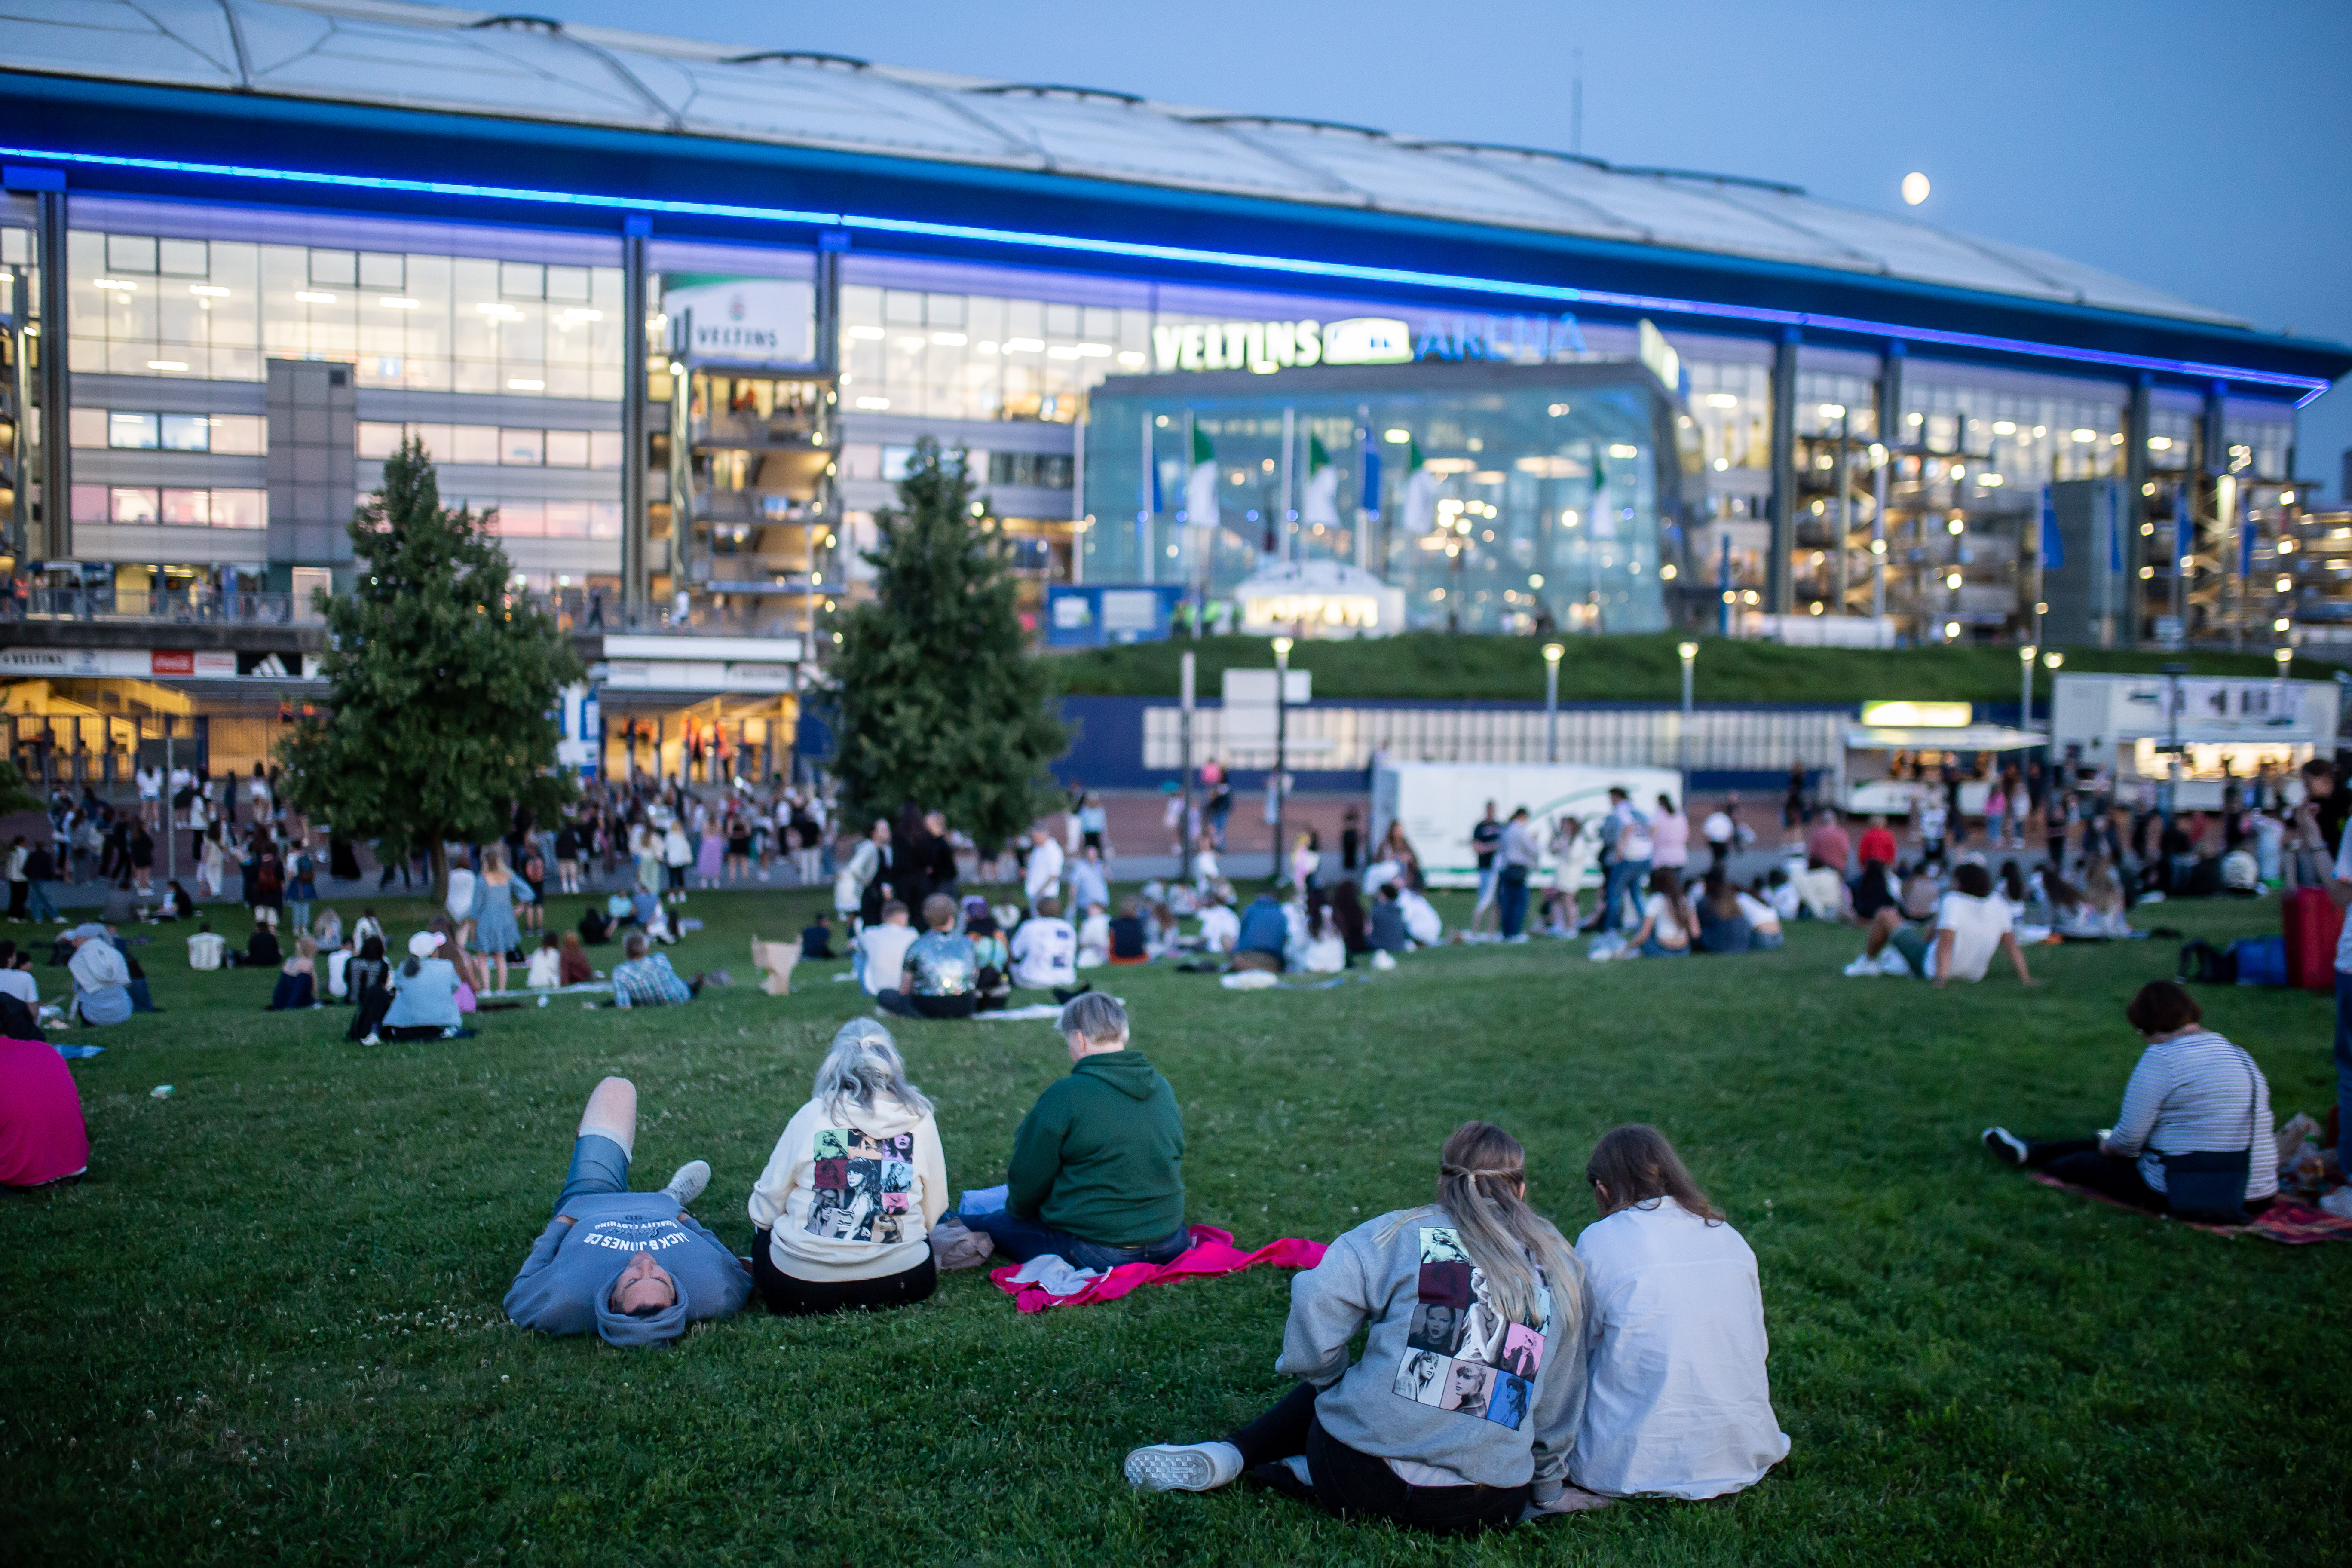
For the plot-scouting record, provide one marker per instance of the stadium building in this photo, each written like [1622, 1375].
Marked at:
[681, 312]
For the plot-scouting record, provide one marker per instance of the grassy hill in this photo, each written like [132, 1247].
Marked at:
[1621, 669]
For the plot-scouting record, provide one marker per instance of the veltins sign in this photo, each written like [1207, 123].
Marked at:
[749, 320]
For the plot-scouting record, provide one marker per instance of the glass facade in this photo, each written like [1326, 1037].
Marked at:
[1498, 498]
[216, 309]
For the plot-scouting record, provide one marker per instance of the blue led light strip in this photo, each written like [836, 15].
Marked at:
[2308, 387]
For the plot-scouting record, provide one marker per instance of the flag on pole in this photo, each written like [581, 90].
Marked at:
[1420, 491]
[2053, 547]
[1320, 503]
[1368, 484]
[1201, 483]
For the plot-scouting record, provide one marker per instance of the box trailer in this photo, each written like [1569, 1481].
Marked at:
[1440, 803]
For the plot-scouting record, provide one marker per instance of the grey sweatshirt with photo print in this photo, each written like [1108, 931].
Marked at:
[1445, 1381]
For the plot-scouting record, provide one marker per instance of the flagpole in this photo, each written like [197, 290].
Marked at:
[1285, 512]
[1143, 508]
[1195, 578]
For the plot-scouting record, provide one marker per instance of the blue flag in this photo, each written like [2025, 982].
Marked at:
[1368, 492]
[2053, 548]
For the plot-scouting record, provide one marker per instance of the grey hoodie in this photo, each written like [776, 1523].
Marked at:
[1445, 1381]
[566, 1283]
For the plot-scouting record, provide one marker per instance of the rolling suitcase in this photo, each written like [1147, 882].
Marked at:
[2312, 925]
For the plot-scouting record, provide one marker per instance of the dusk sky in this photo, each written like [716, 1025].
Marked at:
[2203, 150]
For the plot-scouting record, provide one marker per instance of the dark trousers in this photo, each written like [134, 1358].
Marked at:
[1511, 897]
[19, 894]
[2078, 1159]
[2343, 1069]
[791, 1297]
[900, 1004]
[1019, 1240]
[1350, 1483]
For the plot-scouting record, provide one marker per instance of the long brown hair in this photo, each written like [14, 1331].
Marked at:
[1482, 1176]
[1667, 883]
[1635, 1165]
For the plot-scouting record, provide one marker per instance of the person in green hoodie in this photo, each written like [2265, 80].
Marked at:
[1096, 1177]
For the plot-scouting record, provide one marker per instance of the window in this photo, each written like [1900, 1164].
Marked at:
[131, 506]
[138, 432]
[522, 449]
[187, 433]
[473, 444]
[86, 427]
[604, 449]
[567, 448]
[219, 309]
[239, 435]
[180, 508]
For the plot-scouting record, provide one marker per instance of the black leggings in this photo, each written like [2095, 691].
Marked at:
[2078, 1161]
[791, 1297]
[1349, 1482]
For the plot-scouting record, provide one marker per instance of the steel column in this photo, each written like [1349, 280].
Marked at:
[1780, 596]
[635, 369]
[57, 450]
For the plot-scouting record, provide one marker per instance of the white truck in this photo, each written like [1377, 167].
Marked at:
[1440, 803]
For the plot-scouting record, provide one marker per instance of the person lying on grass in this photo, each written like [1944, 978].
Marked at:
[1970, 925]
[1677, 1404]
[939, 976]
[845, 1209]
[634, 1268]
[644, 980]
[1462, 1411]
[1096, 1177]
[2194, 1135]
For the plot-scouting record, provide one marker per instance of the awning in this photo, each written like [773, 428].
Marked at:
[1958, 738]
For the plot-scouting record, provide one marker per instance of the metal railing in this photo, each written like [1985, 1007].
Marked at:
[190, 606]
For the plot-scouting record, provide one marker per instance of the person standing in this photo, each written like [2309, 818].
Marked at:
[1670, 838]
[19, 889]
[1518, 855]
[1718, 831]
[1485, 842]
[1043, 876]
[1351, 841]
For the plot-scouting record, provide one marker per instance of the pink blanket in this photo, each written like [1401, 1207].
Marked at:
[1213, 1252]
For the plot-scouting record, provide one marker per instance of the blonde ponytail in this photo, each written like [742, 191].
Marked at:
[1481, 1185]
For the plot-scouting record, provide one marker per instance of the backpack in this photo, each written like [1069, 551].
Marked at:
[2202, 963]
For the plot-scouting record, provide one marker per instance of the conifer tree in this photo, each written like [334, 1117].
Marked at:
[443, 719]
[938, 704]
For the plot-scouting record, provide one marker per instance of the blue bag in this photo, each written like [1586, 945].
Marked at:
[2261, 960]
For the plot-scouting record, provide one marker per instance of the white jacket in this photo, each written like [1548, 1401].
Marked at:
[1677, 1403]
[851, 1194]
[1044, 870]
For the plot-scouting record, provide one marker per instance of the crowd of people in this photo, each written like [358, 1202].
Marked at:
[1504, 1372]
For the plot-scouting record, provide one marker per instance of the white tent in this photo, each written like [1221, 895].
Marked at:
[1320, 599]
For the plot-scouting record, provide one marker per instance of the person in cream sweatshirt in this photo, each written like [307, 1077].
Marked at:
[845, 1207]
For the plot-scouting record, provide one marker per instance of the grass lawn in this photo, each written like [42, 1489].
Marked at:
[266, 1328]
[1433, 666]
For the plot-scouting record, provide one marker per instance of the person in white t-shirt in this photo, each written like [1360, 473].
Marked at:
[1219, 927]
[880, 951]
[1044, 875]
[1970, 925]
[1763, 920]
[1044, 951]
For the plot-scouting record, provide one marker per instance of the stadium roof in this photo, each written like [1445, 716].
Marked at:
[393, 55]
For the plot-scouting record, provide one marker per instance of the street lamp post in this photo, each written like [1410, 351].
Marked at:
[1551, 653]
[2025, 697]
[1281, 741]
[1689, 651]
[2169, 794]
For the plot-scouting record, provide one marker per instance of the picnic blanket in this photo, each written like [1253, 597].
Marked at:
[1213, 1252]
[2285, 1221]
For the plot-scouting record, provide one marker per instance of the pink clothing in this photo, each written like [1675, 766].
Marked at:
[707, 862]
[1213, 1252]
[42, 1136]
[1829, 845]
[1670, 839]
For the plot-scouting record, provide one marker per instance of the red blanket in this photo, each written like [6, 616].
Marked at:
[2285, 1221]
[1213, 1252]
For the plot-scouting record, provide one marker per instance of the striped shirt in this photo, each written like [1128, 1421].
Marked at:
[2194, 1093]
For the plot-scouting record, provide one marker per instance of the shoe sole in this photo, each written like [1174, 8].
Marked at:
[1166, 1470]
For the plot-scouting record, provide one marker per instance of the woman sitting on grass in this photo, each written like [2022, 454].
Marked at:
[845, 1209]
[2194, 1136]
[1677, 1404]
[368, 979]
[1464, 1405]
[298, 978]
[1667, 920]
[424, 1001]
[1722, 923]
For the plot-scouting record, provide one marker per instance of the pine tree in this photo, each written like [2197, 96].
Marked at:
[442, 722]
[938, 704]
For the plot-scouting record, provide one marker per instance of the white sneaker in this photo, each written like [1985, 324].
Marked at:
[2005, 1145]
[1862, 968]
[687, 1185]
[1893, 962]
[1183, 1467]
